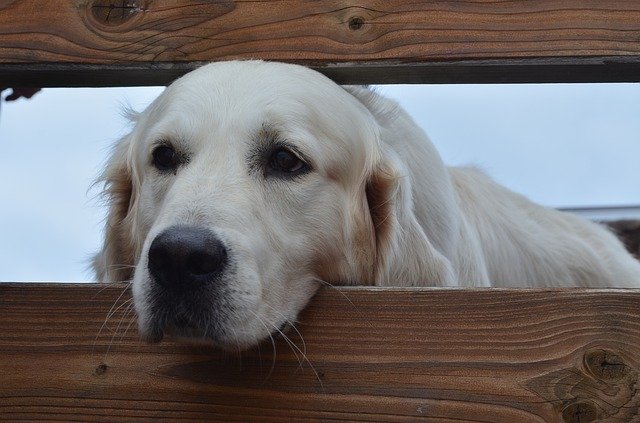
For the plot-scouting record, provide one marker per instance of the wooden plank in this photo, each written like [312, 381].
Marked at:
[71, 353]
[135, 42]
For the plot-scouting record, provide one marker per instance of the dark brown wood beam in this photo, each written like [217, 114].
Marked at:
[71, 352]
[143, 42]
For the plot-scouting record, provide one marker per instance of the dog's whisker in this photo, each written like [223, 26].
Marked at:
[290, 324]
[239, 350]
[128, 302]
[273, 344]
[112, 310]
[121, 266]
[128, 313]
[277, 329]
[294, 347]
[113, 337]
[256, 341]
[109, 284]
[336, 288]
[264, 323]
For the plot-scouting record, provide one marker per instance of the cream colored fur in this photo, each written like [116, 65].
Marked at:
[378, 208]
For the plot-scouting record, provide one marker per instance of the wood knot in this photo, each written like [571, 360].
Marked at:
[101, 369]
[114, 12]
[356, 23]
[580, 412]
[603, 364]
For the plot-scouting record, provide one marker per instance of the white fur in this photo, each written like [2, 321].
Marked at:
[378, 208]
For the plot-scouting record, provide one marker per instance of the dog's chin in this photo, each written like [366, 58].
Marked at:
[151, 335]
[182, 331]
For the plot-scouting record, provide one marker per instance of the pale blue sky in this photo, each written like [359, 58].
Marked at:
[561, 145]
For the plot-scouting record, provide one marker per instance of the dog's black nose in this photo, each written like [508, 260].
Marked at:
[186, 257]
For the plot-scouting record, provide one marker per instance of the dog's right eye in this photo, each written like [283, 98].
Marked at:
[165, 158]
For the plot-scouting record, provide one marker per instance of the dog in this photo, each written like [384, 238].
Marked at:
[247, 185]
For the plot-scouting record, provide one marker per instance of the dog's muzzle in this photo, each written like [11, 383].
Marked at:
[187, 295]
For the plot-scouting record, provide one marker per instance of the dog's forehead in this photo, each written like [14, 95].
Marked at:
[259, 80]
[251, 93]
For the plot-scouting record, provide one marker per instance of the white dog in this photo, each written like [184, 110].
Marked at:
[245, 185]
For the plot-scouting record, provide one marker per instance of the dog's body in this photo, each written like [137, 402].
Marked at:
[245, 184]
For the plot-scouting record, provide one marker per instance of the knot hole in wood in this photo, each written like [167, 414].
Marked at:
[580, 412]
[100, 369]
[356, 23]
[603, 364]
[115, 12]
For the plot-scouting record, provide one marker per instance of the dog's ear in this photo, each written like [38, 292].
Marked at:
[403, 253]
[115, 262]
[404, 256]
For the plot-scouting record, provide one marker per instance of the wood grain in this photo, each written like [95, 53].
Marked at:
[109, 42]
[70, 352]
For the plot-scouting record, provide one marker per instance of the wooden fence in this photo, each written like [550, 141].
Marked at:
[71, 353]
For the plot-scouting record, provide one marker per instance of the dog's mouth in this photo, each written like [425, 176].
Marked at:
[182, 327]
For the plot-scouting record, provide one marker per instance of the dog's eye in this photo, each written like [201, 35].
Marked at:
[283, 161]
[165, 158]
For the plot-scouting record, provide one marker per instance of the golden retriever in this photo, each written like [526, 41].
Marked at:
[246, 185]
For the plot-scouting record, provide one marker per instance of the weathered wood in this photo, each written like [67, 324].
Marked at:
[370, 354]
[136, 42]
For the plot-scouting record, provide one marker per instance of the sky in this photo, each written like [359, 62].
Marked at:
[562, 145]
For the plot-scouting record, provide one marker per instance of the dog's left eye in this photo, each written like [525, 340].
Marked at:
[283, 161]
[165, 158]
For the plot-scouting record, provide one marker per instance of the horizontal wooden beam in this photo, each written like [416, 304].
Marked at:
[574, 70]
[71, 352]
[143, 42]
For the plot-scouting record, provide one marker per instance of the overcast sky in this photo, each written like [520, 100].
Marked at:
[561, 145]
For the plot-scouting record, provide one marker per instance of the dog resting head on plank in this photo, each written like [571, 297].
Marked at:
[247, 185]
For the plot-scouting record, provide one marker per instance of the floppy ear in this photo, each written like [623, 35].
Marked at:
[404, 254]
[115, 263]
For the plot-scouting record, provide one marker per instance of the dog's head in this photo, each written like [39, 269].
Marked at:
[241, 189]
